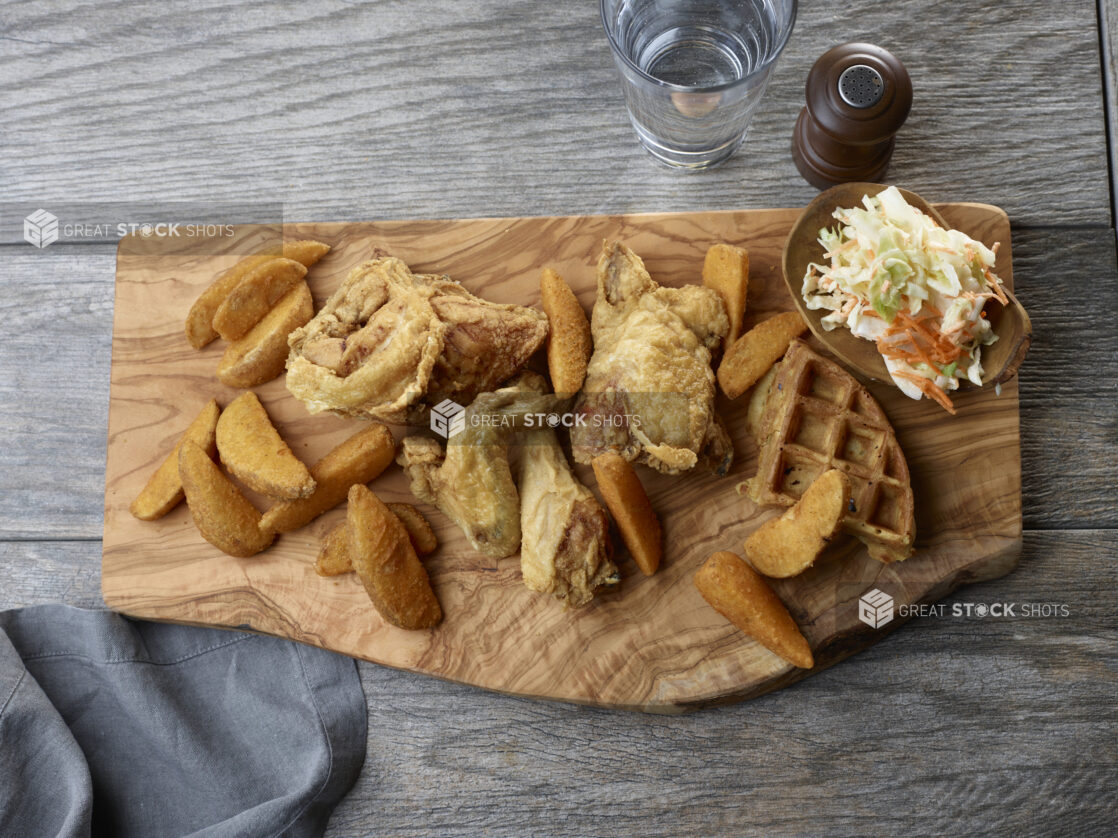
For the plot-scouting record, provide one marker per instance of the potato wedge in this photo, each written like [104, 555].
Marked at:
[262, 354]
[254, 296]
[751, 355]
[628, 504]
[569, 344]
[742, 596]
[357, 460]
[386, 562]
[334, 558]
[423, 538]
[199, 322]
[254, 452]
[305, 251]
[788, 545]
[757, 401]
[224, 516]
[163, 491]
[726, 270]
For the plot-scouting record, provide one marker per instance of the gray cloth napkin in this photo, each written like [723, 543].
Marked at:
[111, 726]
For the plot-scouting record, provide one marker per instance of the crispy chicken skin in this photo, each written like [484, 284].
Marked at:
[652, 355]
[566, 549]
[389, 343]
[471, 481]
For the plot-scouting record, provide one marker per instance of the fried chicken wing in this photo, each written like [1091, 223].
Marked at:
[649, 390]
[471, 481]
[389, 343]
[566, 549]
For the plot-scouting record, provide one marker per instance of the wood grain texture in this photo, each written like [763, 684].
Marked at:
[948, 726]
[652, 645]
[978, 726]
[55, 400]
[940, 728]
[349, 111]
[1108, 45]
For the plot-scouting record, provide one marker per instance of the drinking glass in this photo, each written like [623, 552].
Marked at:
[694, 71]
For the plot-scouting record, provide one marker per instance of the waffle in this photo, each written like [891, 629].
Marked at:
[814, 416]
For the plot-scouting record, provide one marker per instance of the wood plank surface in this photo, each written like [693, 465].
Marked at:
[352, 111]
[1108, 45]
[652, 645]
[940, 729]
[55, 408]
[979, 726]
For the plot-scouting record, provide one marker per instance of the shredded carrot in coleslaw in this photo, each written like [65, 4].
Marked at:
[919, 291]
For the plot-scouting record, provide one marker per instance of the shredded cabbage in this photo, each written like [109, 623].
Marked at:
[897, 278]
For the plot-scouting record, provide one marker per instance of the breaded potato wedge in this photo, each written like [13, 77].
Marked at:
[199, 322]
[423, 538]
[629, 505]
[357, 460]
[224, 516]
[751, 355]
[334, 558]
[261, 355]
[726, 270]
[788, 545]
[254, 452]
[757, 401]
[742, 596]
[163, 491]
[387, 565]
[569, 344]
[254, 296]
[305, 251]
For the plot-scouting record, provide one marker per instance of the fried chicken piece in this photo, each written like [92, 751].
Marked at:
[566, 549]
[471, 481]
[389, 343]
[652, 354]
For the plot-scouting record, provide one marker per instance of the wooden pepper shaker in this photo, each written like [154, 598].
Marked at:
[858, 96]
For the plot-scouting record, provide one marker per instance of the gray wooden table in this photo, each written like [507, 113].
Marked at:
[351, 110]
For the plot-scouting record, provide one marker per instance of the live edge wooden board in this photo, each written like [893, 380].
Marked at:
[653, 644]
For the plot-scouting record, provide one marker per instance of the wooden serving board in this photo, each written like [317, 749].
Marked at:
[651, 645]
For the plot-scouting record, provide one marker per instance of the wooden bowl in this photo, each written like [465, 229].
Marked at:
[1010, 322]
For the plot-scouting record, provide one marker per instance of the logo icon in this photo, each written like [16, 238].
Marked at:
[448, 418]
[40, 228]
[875, 608]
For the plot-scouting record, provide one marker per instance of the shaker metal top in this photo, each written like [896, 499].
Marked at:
[861, 86]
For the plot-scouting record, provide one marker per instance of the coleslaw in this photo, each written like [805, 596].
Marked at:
[917, 290]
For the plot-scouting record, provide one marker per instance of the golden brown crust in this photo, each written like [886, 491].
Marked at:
[334, 558]
[629, 505]
[357, 460]
[386, 562]
[751, 355]
[199, 322]
[755, 411]
[726, 270]
[741, 595]
[256, 293]
[788, 545]
[423, 538]
[815, 416]
[254, 452]
[163, 491]
[224, 516]
[569, 344]
[261, 354]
